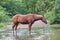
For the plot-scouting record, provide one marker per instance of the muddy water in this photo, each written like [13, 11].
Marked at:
[52, 33]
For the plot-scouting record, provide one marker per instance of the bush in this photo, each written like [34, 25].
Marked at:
[3, 16]
[51, 16]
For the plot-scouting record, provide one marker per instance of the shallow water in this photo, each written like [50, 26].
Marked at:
[51, 33]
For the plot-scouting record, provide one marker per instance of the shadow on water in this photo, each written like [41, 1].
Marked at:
[36, 34]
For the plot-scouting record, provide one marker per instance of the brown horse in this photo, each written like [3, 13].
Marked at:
[26, 19]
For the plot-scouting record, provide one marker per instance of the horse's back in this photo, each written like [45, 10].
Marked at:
[22, 18]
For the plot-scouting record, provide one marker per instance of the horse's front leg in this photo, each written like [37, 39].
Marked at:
[29, 28]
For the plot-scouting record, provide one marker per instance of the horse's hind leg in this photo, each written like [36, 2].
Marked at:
[30, 24]
[16, 27]
[13, 28]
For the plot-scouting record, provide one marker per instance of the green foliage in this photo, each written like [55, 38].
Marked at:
[27, 6]
[8, 8]
[3, 16]
[2, 25]
[57, 11]
[51, 16]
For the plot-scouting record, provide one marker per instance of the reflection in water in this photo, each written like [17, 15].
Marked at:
[37, 33]
[21, 35]
[17, 37]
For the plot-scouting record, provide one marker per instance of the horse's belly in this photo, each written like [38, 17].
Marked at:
[23, 22]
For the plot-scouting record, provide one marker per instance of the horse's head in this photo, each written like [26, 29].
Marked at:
[44, 20]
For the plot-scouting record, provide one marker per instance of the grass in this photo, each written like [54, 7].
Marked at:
[2, 25]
